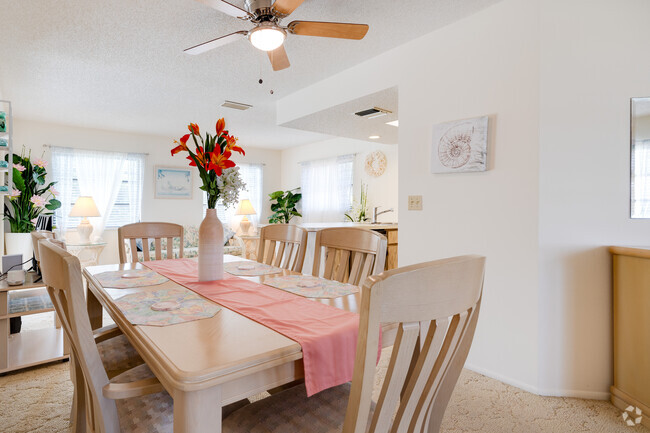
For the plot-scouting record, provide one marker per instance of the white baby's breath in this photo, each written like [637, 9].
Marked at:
[230, 184]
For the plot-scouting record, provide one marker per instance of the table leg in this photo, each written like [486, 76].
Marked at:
[198, 411]
[95, 311]
[4, 330]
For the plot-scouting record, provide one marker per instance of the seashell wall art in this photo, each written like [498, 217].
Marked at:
[460, 146]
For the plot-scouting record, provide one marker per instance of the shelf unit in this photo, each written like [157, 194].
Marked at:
[6, 148]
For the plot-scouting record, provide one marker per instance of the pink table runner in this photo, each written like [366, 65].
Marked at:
[327, 335]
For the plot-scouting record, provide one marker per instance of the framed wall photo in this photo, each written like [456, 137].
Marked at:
[460, 146]
[173, 182]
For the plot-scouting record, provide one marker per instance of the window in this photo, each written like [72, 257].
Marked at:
[252, 175]
[326, 186]
[114, 180]
[640, 158]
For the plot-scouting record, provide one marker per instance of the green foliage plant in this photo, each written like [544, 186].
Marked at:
[283, 205]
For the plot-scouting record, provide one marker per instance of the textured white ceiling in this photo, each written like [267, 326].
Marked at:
[351, 126]
[120, 64]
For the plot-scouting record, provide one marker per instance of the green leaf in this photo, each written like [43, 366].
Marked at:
[54, 204]
[19, 182]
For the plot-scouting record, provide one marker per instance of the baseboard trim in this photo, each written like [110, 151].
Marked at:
[587, 395]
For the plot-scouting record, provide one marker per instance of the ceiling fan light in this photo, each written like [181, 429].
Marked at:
[267, 38]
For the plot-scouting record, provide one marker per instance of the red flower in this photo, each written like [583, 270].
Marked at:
[221, 124]
[194, 128]
[219, 161]
[182, 145]
[231, 145]
[200, 156]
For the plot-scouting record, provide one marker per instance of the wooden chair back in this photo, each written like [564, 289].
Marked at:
[351, 254]
[283, 246]
[146, 232]
[436, 305]
[37, 236]
[62, 277]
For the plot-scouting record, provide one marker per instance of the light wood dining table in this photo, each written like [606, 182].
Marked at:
[208, 363]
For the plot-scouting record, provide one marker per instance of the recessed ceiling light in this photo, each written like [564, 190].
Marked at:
[393, 123]
[374, 137]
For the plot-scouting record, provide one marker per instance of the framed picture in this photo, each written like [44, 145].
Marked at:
[173, 182]
[460, 146]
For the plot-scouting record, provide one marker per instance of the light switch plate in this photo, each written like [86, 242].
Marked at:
[415, 202]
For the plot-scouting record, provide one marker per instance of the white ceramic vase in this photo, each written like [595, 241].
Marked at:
[20, 243]
[210, 247]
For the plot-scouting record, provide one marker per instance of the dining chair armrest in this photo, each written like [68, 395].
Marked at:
[106, 333]
[118, 391]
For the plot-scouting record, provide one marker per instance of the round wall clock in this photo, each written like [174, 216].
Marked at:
[376, 163]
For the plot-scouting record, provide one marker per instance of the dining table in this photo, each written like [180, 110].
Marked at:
[209, 363]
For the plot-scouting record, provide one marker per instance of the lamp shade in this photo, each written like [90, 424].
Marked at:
[245, 208]
[85, 207]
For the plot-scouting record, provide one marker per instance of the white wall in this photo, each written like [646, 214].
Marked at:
[484, 64]
[34, 134]
[593, 60]
[382, 190]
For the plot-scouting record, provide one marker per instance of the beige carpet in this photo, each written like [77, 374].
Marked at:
[38, 400]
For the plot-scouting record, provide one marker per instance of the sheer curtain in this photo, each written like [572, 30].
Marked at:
[641, 179]
[103, 176]
[326, 186]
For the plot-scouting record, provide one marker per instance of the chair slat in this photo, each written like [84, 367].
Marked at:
[330, 256]
[342, 271]
[158, 247]
[134, 251]
[398, 369]
[428, 355]
[145, 249]
[170, 248]
[288, 256]
[279, 253]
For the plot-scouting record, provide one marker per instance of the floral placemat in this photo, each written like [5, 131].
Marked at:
[178, 305]
[311, 287]
[130, 278]
[249, 269]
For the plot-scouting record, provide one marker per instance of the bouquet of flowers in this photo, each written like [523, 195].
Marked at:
[359, 209]
[211, 155]
[31, 196]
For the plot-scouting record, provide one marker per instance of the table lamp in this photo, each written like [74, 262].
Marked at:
[245, 208]
[84, 207]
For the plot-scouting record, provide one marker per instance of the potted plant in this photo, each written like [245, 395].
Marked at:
[221, 180]
[359, 209]
[283, 205]
[30, 198]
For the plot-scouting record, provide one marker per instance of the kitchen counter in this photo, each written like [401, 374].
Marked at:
[312, 227]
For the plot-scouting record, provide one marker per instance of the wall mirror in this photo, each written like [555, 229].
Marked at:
[640, 157]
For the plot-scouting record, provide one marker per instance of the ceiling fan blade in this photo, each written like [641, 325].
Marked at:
[214, 43]
[283, 8]
[328, 30]
[226, 8]
[279, 59]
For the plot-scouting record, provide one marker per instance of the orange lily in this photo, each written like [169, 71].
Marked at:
[200, 156]
[219, 161]
[194, 128]
[231, 145]
[182, 145]
[221, 125]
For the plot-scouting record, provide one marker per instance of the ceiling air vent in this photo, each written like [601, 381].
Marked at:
[236, 105]
[373, 112]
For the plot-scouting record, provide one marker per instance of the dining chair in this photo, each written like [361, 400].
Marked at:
[95, 392]
[145, 233]
[351, 254]
[436, 306]
[284, 246]
[37, 235]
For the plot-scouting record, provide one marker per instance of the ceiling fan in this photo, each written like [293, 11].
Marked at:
[268, 35]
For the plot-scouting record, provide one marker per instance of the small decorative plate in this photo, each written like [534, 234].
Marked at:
[166, 306]
[246, 267]
[376, 163]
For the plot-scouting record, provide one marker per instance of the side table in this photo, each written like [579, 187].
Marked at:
[88, 253]
[34, 347]
[251, 242]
